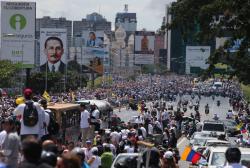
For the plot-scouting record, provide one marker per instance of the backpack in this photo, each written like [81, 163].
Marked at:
[30, 114]
[53, 127]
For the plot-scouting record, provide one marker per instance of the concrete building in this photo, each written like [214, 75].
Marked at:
[127, 20]
[159, 44]
[93, 22]
[186, 56]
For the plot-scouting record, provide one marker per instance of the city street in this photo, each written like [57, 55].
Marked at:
[125, 115]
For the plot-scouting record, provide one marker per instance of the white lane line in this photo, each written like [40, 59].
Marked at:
[181, 141]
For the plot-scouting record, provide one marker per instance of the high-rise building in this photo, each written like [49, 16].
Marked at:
[159, 44]
[93, 22]
[127, 20]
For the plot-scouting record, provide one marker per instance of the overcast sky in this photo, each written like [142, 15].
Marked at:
[149, 12]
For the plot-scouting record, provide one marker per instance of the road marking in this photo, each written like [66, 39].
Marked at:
[181, 141]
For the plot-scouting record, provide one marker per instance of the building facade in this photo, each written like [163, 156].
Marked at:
[127, 20]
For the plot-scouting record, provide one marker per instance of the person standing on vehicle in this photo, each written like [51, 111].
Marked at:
[95, 118]
[84, 123]
[233, 156]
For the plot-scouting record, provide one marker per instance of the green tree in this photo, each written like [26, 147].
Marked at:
[54, 82]
[7, 73]
[217, 18]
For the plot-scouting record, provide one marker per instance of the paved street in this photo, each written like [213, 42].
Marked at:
[125, 115]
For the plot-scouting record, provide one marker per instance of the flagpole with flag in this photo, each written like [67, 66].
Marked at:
[190, 155]
[46, 96]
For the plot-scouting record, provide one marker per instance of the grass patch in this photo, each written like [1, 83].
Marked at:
[246, 91]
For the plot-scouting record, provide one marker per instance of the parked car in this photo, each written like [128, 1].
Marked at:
[216, 156]
[199, 139]
[215, 127]
[128, 159]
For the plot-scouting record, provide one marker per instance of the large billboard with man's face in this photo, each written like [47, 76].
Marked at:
[18, 32]
[144, 47]
[144, 42]
[53, 50]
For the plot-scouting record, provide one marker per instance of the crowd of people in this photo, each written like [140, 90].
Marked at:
[26, 142]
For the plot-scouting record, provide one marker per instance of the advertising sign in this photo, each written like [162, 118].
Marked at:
[93, 39]
[18, 32]
[95, 53]
[53, 50]
[196, 56]
[144, 42]
[144, 59]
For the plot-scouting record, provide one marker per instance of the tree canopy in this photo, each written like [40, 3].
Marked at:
[217, 18]
[7, 72]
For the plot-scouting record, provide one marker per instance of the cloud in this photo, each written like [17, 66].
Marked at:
[158, 6]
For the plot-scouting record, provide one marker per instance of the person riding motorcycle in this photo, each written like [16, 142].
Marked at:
[197, 116]
[213, 97]
[216, 117]
[218, 102]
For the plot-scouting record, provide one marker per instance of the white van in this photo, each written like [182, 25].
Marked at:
[217, 85]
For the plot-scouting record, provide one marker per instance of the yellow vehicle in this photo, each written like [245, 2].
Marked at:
[68, 117]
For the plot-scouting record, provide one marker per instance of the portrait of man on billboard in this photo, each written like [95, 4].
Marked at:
[53, 49]
[94, 41]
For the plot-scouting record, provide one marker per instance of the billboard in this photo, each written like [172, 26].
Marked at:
[53, 50]
[95, 54]
[144, 42]
[18, 32]
[93, 39]
[143, 59]
[196, 57]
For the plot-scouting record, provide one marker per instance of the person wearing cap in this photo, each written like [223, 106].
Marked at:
[168, 160]
[87, 150]
[84, 123]
[95, 160]
[11, 144]
[19, 111]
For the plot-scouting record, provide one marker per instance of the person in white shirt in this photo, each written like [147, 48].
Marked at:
[44, 131]
[87, 150]
[95, 160]
[115, 137]
[19, 111]
[150, 129]
[143, 130]
[233, 157]
[84, 123]
[96, 118]
[165, 118]
[229, 114]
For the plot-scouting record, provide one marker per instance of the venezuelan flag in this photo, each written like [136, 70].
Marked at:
[239, 126]
[190, 155]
